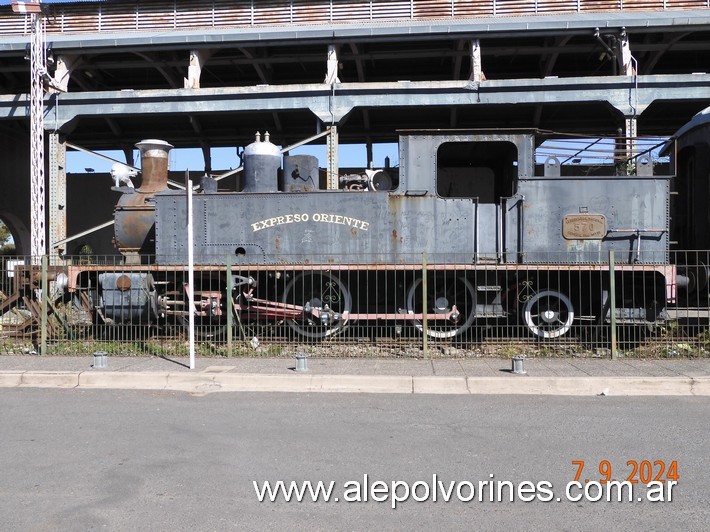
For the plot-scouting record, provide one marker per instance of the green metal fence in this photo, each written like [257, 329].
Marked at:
[408, 307]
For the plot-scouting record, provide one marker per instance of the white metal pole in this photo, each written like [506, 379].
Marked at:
[190, 271]
[38, 68]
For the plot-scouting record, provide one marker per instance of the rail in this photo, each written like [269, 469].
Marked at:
[128, 16]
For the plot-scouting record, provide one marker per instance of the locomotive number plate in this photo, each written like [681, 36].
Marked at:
[584, 226]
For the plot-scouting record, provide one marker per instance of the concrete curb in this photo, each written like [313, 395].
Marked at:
[49, 379]
[201, 383]
[591, 385]
[441, 385]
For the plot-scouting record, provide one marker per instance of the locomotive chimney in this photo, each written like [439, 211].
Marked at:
[154, 165]
[134, 213]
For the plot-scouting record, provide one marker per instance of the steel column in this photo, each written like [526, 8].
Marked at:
[333, 158]
[57, 193]
[37, 193]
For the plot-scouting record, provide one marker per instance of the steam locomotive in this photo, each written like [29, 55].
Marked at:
[473, 225]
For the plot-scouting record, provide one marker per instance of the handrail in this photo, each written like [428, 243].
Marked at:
[154, 15]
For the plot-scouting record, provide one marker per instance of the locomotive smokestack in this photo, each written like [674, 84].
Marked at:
[134, 224]
[154, 165]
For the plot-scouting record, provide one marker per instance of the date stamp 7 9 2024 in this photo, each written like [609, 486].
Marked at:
[645, 471]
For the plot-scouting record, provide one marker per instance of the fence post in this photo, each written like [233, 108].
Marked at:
[229, 305]
[612, 303]
[425, 341]
[43, 308]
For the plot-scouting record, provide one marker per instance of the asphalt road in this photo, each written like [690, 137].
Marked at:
[120, 460]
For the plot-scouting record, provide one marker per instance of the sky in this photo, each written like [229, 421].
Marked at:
[350, 156]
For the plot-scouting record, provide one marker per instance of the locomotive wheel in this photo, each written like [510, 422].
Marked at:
[548, 314]
[324, 293]
[443, 293]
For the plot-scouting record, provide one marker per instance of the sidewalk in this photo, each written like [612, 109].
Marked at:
[563, 376]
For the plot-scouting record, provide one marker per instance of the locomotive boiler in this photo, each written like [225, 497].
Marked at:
[472, 227]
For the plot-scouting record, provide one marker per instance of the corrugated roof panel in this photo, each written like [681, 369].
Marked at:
[7, 2]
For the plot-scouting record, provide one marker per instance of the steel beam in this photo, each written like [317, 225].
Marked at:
[630, 95]
[562, 24]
